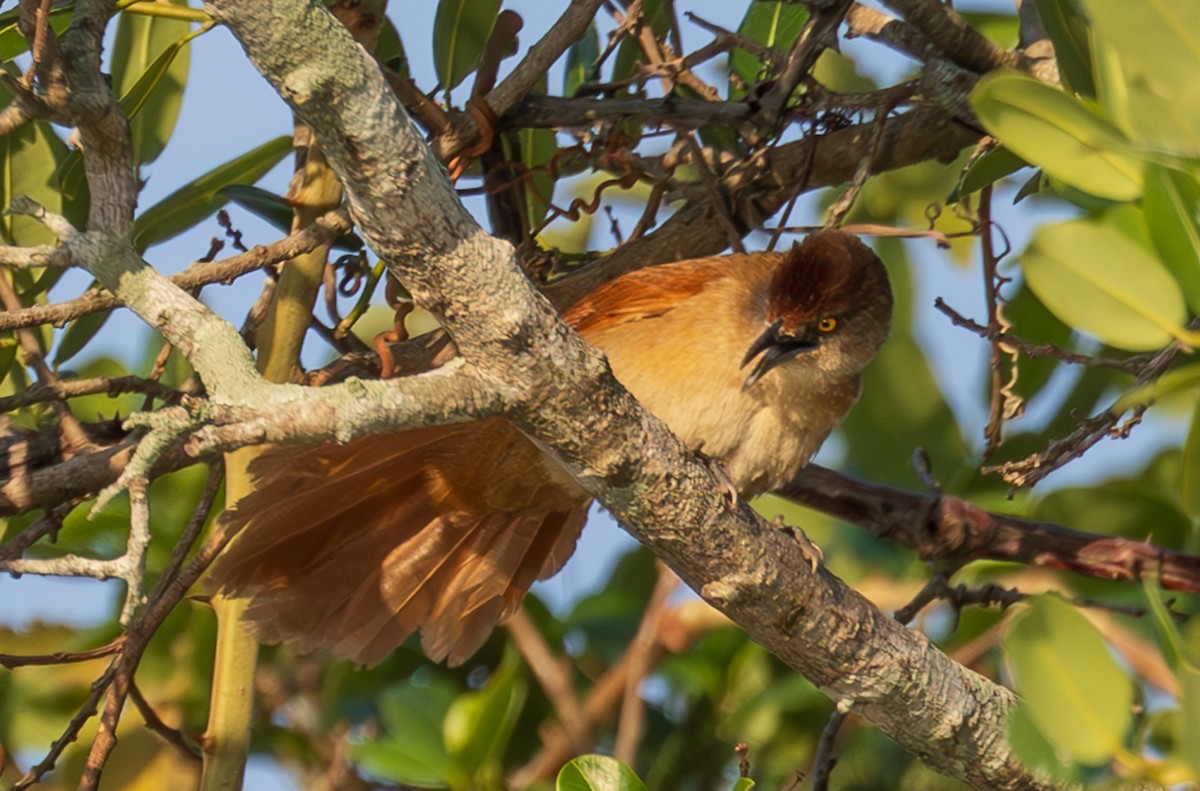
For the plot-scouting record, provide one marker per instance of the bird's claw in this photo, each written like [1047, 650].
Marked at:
[812, 553]
[721, 474]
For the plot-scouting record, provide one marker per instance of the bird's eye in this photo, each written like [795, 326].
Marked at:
[827, 324]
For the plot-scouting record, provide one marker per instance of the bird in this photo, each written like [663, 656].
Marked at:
[751, 359]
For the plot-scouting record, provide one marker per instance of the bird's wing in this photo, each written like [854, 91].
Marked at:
[645, 293]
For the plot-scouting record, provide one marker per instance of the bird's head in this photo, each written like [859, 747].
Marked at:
[829, 307]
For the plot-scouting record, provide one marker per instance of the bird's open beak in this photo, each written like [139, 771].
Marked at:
[775, 348]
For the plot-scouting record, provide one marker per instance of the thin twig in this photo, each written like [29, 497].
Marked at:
[555, 677]
[824, 761]
[633, 715]
[74, 438]
[1032, 469]
[62, 657]
[1004, 403]
[113, 386]
[154, 723]
[325, 230]
[715, 196]
[1132, 364]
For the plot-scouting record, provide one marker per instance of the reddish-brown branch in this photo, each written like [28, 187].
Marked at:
[949, 528]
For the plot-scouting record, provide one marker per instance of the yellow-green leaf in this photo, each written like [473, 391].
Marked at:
[1073, 690]
[149, 70]
[1149, 84]
[1171, 207]
[1190, 475]
[1058, 133]
[1096, 279]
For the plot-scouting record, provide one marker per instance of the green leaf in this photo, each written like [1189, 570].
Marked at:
[768, 22]
[743, 784]
[460, 31]
[1058, 133]
[412, 752]
[538, 147]
[277, 211]
[1171, 207]
[149, 70]
[597, 773]
[1071, 35]
[264, 204]
[29, 159]
[12, 43]
[1190, 475]
[1032, 747]
[478, 725]
[1189, 699]
[389, 50]
[1097, 280]
[192, 202]
[1149, 84]
[581, 56]
[79, 333]
[993, 165]
[1074, 691]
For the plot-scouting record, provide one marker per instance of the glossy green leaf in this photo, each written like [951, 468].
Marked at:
[79, 333]
[460, 31]
[149, 70]
[772, 23]
[1070, 33]
[990, 167]
[1149, 82]
[743, 784]
[191, 203]
[1097, 280]
[389, 50]
[412, 752]
[1058, 133]
[29, 158]
[478, 725]
[264, 204]
[581, 56]
[538, 147]
[1171, 207]
[597, 773]
[275, 209]
[1190, 476]
[1075, 693]
[12, 43]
